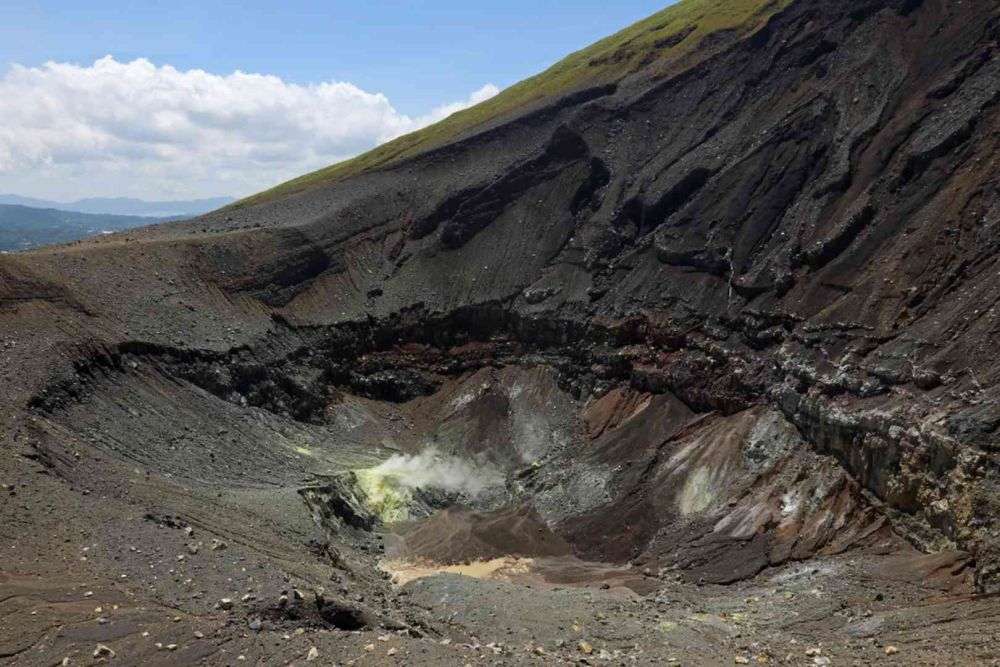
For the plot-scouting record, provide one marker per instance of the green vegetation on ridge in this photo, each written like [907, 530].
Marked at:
[663, 38]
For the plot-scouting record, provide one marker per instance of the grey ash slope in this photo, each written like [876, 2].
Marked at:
[709, 322]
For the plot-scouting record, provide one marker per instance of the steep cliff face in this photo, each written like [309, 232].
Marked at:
[733, 309]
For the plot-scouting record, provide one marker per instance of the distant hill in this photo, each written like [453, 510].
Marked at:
[124, 206]
[23, 227]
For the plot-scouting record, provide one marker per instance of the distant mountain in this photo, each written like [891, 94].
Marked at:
[124, 206]
[23, 227]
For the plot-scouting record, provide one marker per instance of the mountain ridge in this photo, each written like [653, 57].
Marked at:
[25, 228]
[124, 205]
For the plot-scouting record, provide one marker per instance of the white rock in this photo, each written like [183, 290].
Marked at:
[103, 651]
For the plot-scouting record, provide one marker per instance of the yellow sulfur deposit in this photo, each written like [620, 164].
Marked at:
[385, 495]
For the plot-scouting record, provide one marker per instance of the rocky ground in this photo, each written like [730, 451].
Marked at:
[223, 563]
[695, 367]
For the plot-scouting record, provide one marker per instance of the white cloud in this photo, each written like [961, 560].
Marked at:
[138, 129]
[442, 112]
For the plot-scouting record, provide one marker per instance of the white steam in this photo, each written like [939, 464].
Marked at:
[431, 469]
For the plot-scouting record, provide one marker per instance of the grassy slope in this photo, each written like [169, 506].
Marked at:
[663, 38]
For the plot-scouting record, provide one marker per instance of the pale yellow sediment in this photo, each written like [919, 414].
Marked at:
[496, 569]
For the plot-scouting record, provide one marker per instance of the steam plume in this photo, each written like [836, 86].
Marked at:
[431, 469]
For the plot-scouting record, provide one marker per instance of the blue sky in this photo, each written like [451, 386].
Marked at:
[417, 53]
[423, 56]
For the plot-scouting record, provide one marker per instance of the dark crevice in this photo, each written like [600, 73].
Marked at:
[587, 195]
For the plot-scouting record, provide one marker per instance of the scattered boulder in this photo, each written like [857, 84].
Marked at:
[344, 615]
[103, 651]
